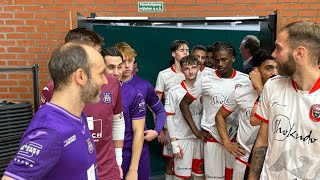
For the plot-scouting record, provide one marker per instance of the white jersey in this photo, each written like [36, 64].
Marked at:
[243, 99]
[293, 118]
[167, 79]
[181, 127]
[215, 90]
[206, 70]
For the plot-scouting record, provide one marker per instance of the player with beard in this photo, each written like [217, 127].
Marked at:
[58, 143]
[243, 99]
[167, 79]
[187, 149]
[215, 87]
[287, 145]
[105, 118]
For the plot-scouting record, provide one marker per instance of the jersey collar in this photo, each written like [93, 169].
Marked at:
[202, 68]
[314, 88]
[234, 72]
[172, 69]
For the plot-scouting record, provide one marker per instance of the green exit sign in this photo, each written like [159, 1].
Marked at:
[150, 6]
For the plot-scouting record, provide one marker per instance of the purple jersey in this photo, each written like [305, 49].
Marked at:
[133, 108]
[56, 145]
[151, 98]
[99, 116]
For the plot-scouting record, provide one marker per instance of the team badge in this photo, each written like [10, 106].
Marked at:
[106, 97]
[90, 146]
[314, 113]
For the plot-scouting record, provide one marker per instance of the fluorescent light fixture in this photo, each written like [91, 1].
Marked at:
[121, 18]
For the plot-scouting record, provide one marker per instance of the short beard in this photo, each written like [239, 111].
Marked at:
[90, 93]
[288, 68]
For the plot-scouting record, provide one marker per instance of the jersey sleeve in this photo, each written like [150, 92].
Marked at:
[118, 106]
[152, 99]
[170, 105]
[159, 83]
[38, 153]
[263, 104]
[138, 107]
[230, 104]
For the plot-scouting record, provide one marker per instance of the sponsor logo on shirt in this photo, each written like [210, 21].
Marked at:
[217, 100]
[142, 106]
[107, 98]
[70, 140]
[95, 126]
[314, 113]
[90, 146]
[282, 129]
[26, 152]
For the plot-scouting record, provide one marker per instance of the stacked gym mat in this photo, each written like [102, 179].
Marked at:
[14, 120]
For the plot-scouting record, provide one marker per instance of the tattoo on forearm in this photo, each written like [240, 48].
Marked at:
[257, 160]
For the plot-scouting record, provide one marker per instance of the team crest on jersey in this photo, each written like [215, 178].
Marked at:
[106, 97]
[314, 113]
[90, 146]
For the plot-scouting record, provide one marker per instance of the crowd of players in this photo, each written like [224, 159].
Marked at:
[214, 122]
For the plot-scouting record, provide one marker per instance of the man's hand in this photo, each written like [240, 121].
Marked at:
[235, 148]
[203, 135]
[176, 149]
[256, 80]
[121, 172]
[162, 138]
[132, 175]
[150, 134]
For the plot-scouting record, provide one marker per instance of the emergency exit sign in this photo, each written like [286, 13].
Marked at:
[150, 6]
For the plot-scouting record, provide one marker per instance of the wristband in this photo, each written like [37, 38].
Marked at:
[175, 147]
[118, 152]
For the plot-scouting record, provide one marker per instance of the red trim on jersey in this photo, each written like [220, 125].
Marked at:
[243, 162]
[294, 85]
[184, 177]
[223, 107]
[202, 68]
[169, 113]
[261, 118]
[315, 86]
[229, 173]
[198, 166]
[256, 102]
[158, 91]
[234, 72]
[185, 87]
[234, 140]
[172, 69]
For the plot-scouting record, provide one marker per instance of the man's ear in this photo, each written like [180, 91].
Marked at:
[299, 53]
[233, 59]
[173, 54]
[80, 76]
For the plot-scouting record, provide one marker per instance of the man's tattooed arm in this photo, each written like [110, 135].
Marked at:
[259, 152]
[257, 161]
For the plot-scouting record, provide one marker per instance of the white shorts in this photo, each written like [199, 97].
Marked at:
[167, 149]
[239, 167]
[192, 160]
[216, 160]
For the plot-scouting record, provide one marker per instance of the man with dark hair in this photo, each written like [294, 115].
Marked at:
[87, 35]
[215, 87]
[187, 149]
[209, 59]
[201, 53]
[243, 98]
[287, 145]
[58, 143]
[105, 118]
[167, 79]
[248, 47]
